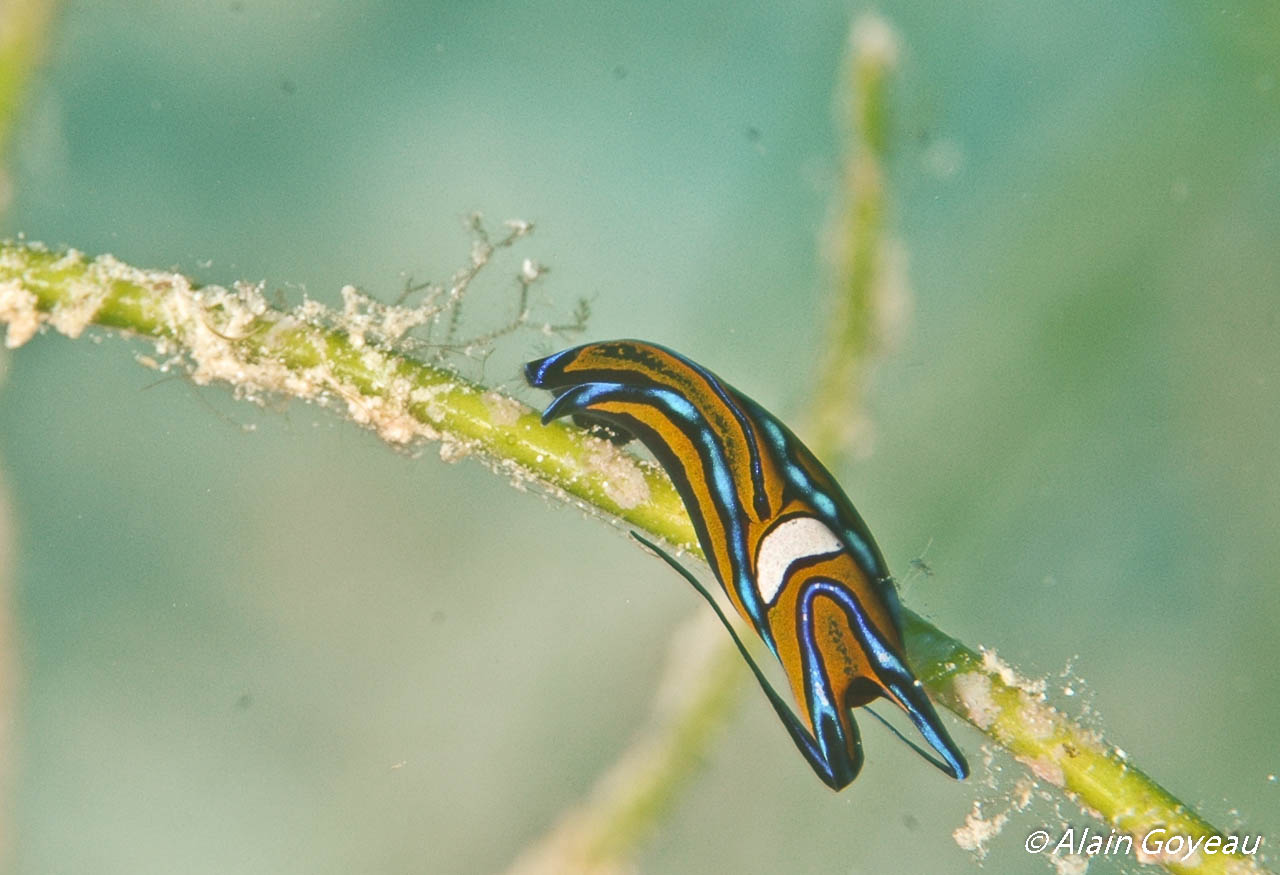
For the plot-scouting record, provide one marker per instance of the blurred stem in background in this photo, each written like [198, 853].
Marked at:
[348, 362]
[869, 289]
[23, 25]
[22, 35]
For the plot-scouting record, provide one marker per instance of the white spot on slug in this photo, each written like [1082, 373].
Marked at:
[793, 539]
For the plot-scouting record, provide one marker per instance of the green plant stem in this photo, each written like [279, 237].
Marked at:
[235, 337]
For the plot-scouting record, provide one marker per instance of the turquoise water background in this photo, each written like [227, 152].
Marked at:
[293, 650]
